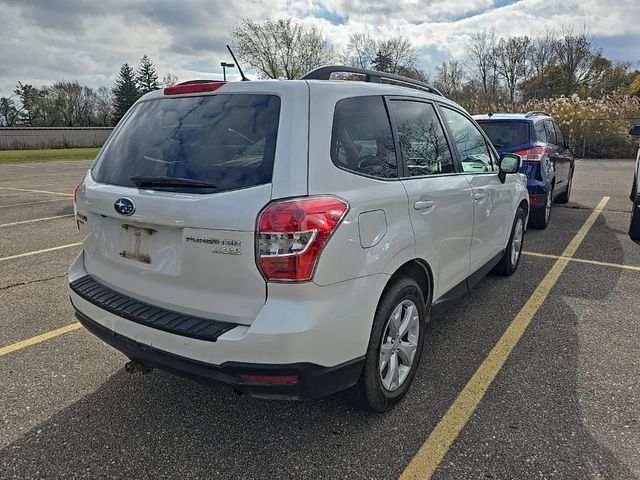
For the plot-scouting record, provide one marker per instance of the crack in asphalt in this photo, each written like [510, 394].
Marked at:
[29, 282]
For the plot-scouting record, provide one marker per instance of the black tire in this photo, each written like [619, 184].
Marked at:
[370, 390]
[564, 196]
[634, 189]
[507, 266]
[539, 218]
[634, 225]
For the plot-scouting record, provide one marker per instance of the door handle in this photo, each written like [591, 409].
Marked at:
[424, 204]
[479, 196]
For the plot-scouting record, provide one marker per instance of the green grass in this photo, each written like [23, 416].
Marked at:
[46, 154]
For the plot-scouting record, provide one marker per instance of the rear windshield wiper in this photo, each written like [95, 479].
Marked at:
[159, 181]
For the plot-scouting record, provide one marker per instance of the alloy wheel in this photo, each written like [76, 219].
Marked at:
[516, 243]
[399, 345]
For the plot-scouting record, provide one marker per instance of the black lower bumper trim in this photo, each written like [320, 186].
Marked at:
[127, 307]
[314, 381]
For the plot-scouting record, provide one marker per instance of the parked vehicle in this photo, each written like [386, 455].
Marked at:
[289, 238]
[634, 225]
[547, 159]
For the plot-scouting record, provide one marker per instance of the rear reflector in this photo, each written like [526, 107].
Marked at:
[193, 88]
[292, 234]
[270, 379]
[533, 154]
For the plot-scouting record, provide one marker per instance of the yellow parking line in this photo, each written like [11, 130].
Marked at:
[13, 224]
[584, 260]
[39, 338]
[424, 464]
[36, 252]
[36, 191]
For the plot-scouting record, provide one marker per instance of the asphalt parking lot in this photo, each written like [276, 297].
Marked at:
[563, 403]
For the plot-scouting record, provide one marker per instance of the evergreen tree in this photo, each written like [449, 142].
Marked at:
[146, 76]
[382, 62]
[125, 92]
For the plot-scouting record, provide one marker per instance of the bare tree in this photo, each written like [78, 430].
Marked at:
[542, 53]
[74, 104]
[482, 63]
[391, 55]
[511, 57]
[282, 48]
[450, 78]
[575, 54]
[103, 106]
[361, 50]
[169, 80]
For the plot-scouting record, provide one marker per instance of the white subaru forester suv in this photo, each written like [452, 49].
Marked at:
[291, 238]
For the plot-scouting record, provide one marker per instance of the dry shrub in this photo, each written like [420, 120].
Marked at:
[599, 125]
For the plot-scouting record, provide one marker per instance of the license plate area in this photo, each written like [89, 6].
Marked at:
[137, 246]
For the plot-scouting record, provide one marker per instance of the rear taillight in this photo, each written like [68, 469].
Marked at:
[533, 154]
[193, 88]
[74, 196]
[292, 233]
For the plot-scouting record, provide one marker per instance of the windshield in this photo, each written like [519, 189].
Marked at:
[506, 134]
[225, 141]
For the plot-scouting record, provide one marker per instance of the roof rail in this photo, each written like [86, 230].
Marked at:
[536, 112]
[373, 76]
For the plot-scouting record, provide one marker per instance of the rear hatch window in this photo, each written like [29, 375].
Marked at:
[202, 144]
[505, 134]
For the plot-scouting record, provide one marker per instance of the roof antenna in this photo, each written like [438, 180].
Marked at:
[244, 79]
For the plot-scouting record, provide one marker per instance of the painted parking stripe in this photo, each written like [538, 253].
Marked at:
[39, 338]
[34, 203]
[36, 252]
[36, 191]
[13, 224]
[424, 464]
[585, 260]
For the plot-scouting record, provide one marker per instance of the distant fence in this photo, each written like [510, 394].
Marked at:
[18, 138]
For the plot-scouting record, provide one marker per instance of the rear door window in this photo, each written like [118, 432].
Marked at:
[551, 133]
[422, 140]
[541, 132]
[361, 138]
[559, 136]
[506, 134]
[227, 141]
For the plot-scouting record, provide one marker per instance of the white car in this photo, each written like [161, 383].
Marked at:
[634, 224]
[290, 238]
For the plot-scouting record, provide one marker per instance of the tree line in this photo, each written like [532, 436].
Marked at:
[495, 73]
[70, 104]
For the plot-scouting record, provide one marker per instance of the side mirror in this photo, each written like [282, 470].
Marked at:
[635, 131]
[509, 163]
[572, 144]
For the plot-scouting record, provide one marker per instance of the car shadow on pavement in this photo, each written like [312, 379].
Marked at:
[161, 426]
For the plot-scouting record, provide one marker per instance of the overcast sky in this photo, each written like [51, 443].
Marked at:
[43, 41]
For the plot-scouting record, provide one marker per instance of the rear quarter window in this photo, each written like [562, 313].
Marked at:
[225, 140]
[361, 138]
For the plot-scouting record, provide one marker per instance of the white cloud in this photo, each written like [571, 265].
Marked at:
[85, 40]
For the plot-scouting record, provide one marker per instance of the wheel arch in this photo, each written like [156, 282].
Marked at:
[418, 270]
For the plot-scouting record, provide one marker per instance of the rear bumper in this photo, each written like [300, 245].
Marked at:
[317, 332]
[312, 381]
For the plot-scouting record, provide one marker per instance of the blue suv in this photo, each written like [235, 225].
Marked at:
[547, 159]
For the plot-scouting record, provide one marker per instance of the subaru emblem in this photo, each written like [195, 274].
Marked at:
[124, 206]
